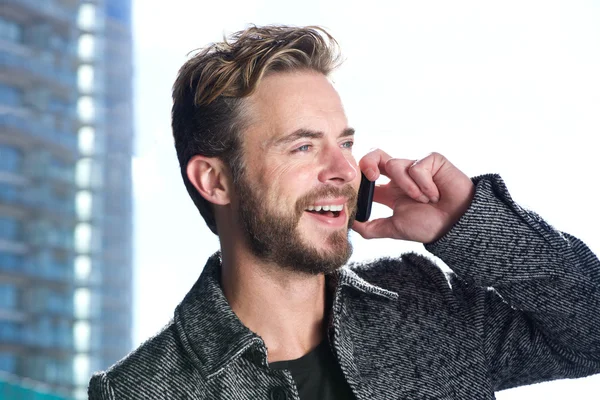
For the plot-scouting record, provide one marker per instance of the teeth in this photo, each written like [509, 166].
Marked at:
[326, 208]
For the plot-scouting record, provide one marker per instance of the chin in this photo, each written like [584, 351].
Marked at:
[326, 242]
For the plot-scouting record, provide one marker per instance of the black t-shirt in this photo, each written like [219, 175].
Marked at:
[317, 375]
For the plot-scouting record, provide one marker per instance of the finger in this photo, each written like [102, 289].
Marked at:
[421, 172]
[398, 173]
[373, 164]
[378, 228]
[384, 194]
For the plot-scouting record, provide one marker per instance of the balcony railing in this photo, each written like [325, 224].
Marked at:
[49, 272]
[45, 336]
[39, 131]
[39, 68]
[59, 208]
[49, 8]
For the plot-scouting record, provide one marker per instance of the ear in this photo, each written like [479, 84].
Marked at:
[210, 177]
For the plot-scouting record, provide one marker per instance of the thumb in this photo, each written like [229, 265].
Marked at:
[377, 228]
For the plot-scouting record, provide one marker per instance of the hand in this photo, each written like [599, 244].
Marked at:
[427, 196]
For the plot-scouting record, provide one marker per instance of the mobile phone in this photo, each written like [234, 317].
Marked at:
[365, 199]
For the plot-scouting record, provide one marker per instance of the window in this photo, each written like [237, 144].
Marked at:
[10, 262]
[10, 30]
[8, 296]
[86, 19]
[48, 369]
[10, 95]
[9, 193]
[8, 362]
[119, 10]
[9, 332]
[82, 333]
[83, 267]
[86, 108]
[83, 237]
[85, 78]
[82, 299]
[83, 173]
[10, 159]
[81, 367]
[87, 140]
[83, 205]
[10, 228]
[86, 48]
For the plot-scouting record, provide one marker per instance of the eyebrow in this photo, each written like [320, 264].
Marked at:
[306, 133]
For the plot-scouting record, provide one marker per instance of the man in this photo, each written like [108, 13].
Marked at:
[266, 154]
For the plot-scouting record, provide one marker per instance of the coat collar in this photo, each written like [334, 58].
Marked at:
[213, 336]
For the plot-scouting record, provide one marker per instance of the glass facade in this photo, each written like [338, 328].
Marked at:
[65, 193]
[12, 389]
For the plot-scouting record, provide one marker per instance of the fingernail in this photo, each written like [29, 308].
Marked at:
[423, 199]
[434, 199]
[370, 174]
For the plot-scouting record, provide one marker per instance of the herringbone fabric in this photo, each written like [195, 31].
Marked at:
[521, 306]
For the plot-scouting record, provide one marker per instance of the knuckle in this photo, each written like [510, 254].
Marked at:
[394, 163]
[375, 153]
[413, 191]
[425, 189]
[416, 166]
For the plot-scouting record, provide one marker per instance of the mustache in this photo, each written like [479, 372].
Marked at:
[328, 191]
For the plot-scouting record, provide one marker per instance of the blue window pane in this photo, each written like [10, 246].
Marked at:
[9, 332]
[8, 362]
[10, 30]
[10, 262]
[8, 296]
[10, 228]
[119, 10]
[10, 159]
[10, 95]
[9, 193]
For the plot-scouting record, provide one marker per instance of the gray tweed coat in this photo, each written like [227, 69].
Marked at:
[521, 306]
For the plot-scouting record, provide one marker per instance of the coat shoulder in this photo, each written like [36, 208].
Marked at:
[414, 275]
[394, 273]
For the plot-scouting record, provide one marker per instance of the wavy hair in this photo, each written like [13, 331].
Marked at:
[208, 115]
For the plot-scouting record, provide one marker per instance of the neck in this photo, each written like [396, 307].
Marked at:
[286, 309]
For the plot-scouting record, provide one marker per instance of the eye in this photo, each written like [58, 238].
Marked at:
[303, 148]
[348, 144]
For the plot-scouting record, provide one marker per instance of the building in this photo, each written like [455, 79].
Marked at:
[65, 189]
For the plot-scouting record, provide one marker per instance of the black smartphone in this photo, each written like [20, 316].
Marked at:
[365, 199]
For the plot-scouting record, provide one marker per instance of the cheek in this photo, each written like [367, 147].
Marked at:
[286, 182]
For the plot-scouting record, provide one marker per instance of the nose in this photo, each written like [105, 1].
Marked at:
[339, 166]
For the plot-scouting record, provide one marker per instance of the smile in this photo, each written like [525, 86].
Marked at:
[332, 210]
[330, 213]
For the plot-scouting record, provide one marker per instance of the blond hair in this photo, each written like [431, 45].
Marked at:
[207, 114]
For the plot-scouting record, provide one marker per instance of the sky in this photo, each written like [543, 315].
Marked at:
[507, 87]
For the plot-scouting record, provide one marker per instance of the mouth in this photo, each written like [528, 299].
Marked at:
[331, 211]
[333, 215]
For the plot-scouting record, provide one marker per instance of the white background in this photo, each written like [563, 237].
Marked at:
[511, 87]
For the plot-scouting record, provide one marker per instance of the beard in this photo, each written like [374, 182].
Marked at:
[274, 237]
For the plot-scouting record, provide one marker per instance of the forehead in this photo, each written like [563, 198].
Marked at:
[285, 102]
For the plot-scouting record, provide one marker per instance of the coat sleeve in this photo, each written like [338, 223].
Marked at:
[530, 291]
[99, 388]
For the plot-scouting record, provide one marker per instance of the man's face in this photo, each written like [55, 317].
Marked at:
[298, 159]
